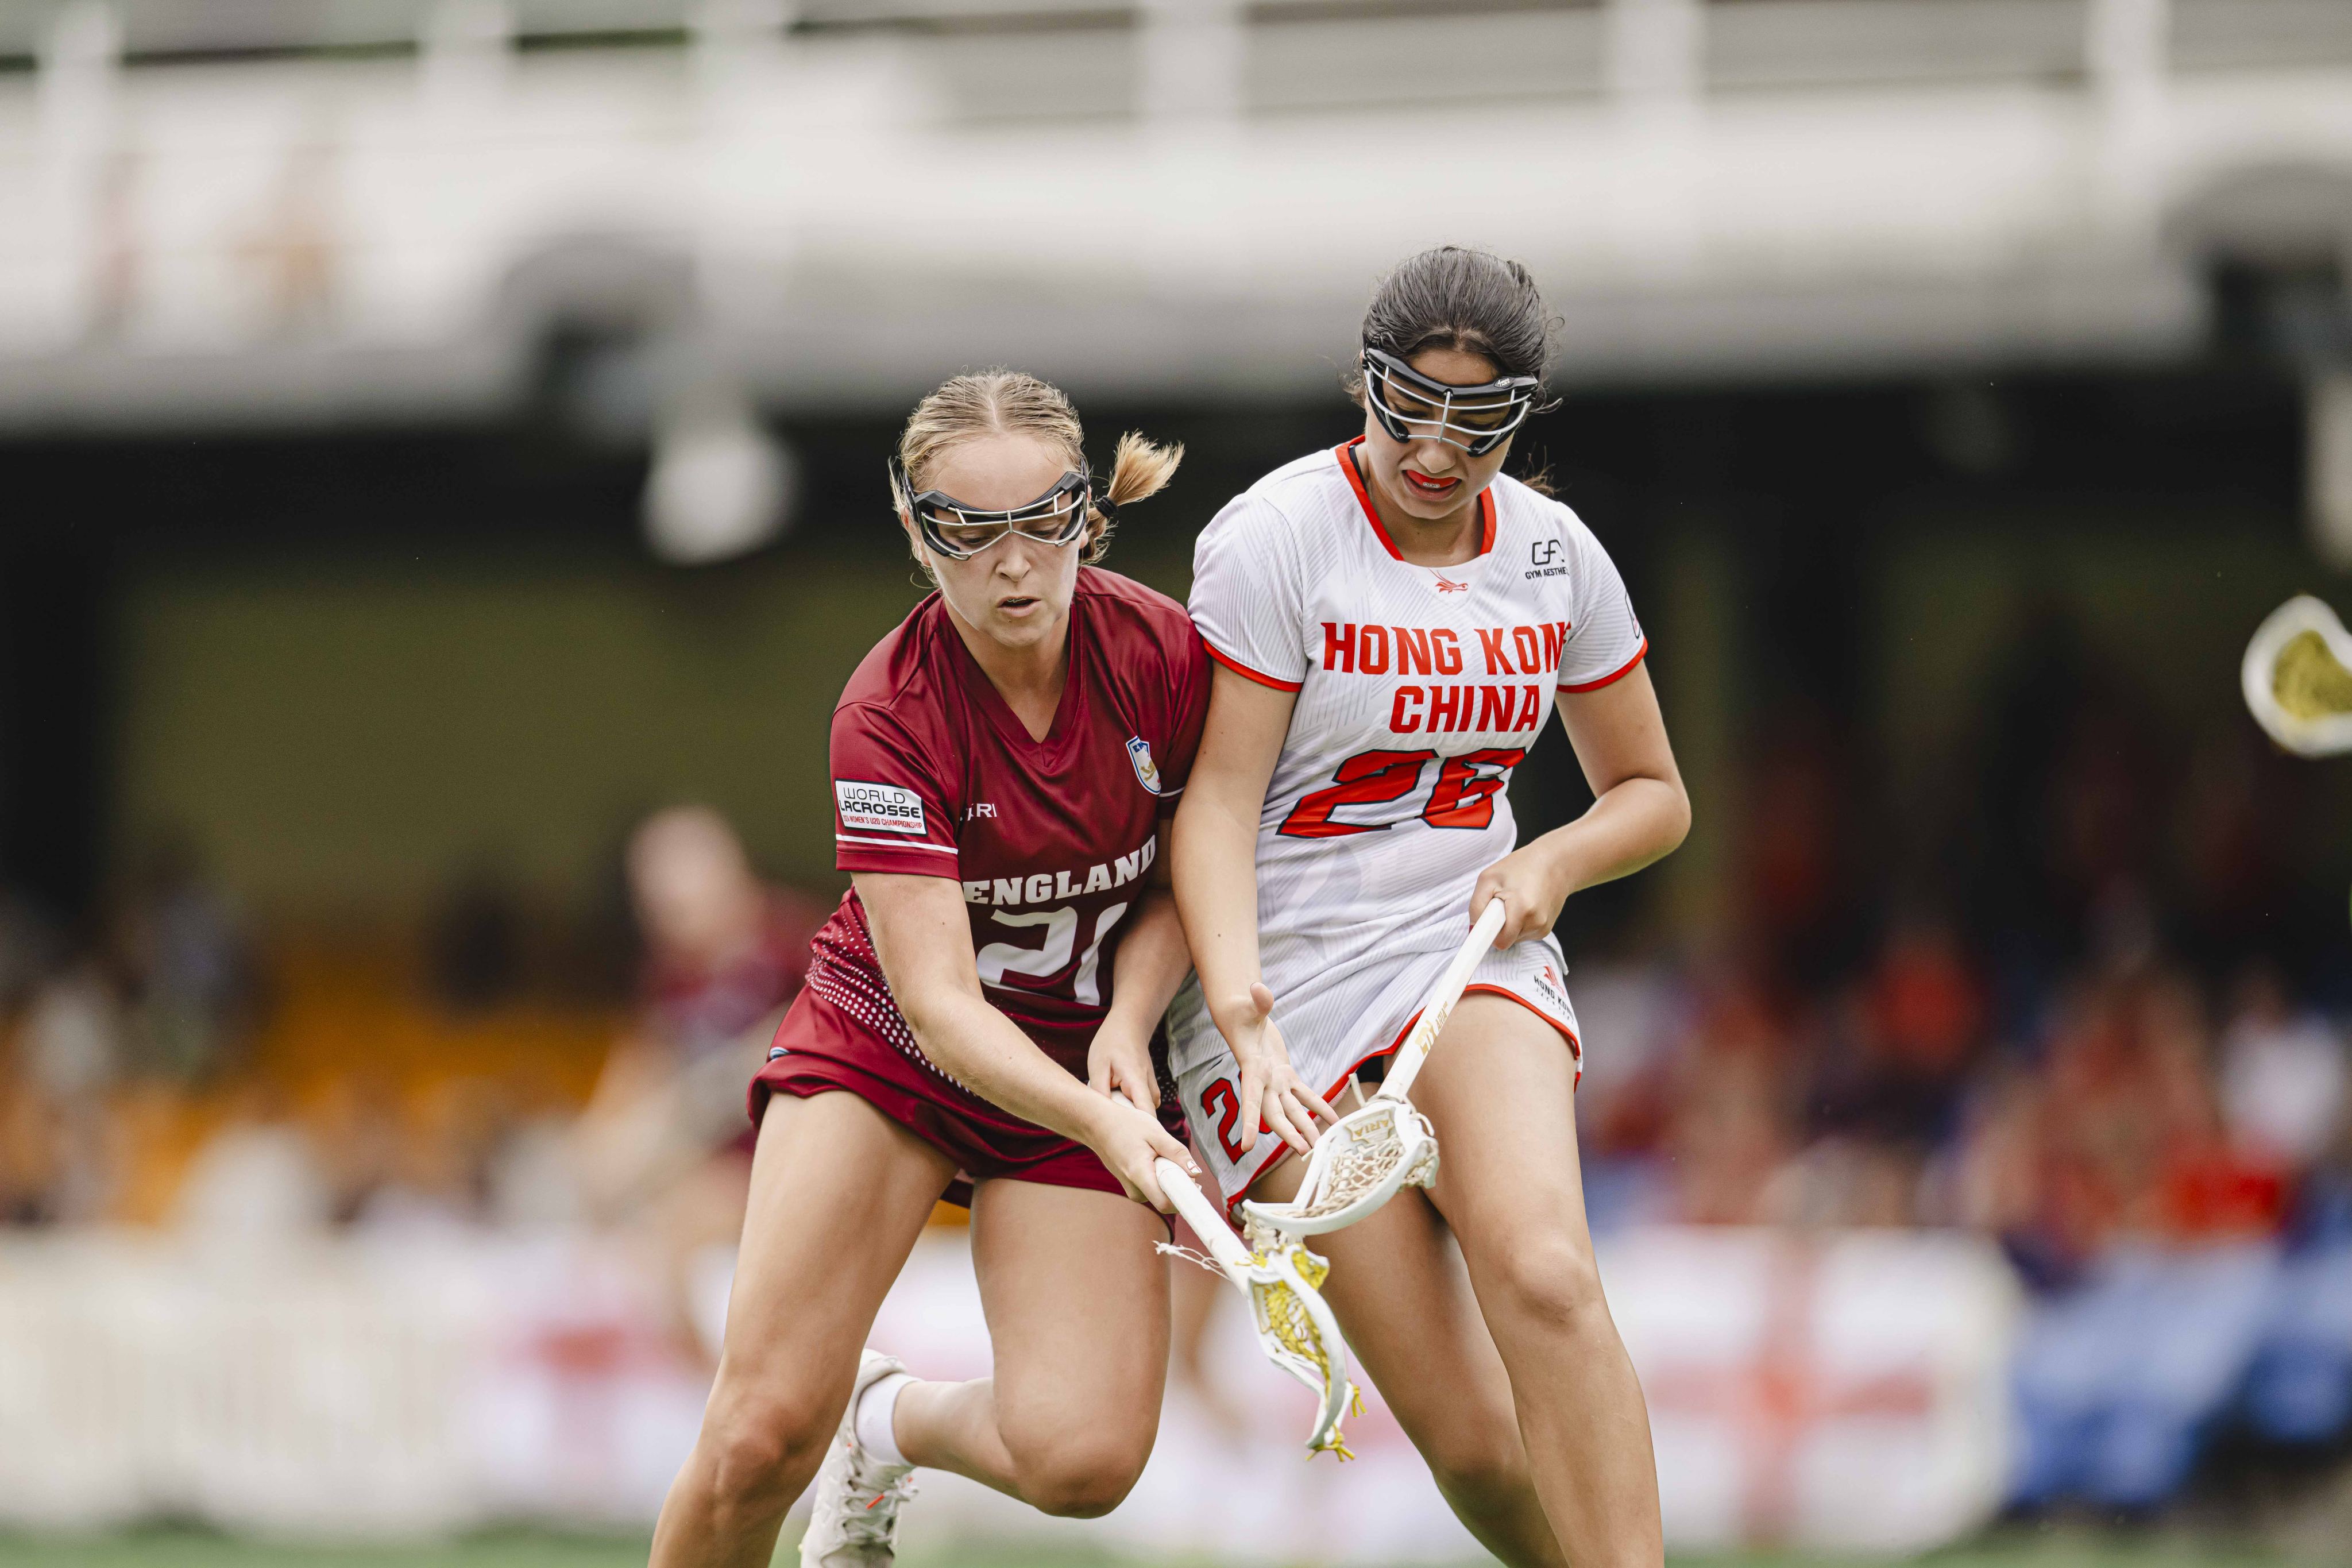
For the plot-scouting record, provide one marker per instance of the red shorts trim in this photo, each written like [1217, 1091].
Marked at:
[1575, 1048]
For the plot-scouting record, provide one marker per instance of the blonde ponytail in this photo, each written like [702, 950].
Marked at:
[992, 402]
[1140, 469]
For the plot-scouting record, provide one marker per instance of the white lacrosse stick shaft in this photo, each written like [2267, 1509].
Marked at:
[1439, 1005]
[1387, 1117]
[1206, 1222]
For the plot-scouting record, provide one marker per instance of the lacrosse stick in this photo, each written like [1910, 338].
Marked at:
[1361, 1161]
[2298, 678]
[1295, 1328]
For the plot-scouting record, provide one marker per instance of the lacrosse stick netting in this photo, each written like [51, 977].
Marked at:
[1282, 1281]
[1368, 1154]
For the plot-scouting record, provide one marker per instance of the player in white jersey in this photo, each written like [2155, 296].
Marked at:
[1391, 621]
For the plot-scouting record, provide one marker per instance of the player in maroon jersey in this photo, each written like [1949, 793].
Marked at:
[979, 1017]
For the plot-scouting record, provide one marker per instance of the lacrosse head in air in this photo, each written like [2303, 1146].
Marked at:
[1358, 1164]
[1298, 1333]
[2298, 676]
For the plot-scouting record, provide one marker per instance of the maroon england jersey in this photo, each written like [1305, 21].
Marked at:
[1052, 841]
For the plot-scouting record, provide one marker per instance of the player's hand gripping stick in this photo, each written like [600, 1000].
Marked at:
[1295, 1328]
[1362, 1159]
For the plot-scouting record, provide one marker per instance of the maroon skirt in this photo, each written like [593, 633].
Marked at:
[822, 1045]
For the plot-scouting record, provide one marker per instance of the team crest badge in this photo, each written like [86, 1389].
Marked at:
[1147, 772]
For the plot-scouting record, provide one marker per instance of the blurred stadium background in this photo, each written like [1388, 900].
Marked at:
[436, 437]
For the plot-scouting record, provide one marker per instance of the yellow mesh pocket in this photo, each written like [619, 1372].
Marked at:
[1293, 1328]
[2307, 680]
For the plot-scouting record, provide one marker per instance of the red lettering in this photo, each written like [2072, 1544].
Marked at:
[1464, 796]
[1364, 650]
[1490, 640]
[1339, 647]
[1398, 720]
[1445, 708]
[1497, 705]
[1554, 634]
[1448, 649]
[1530, 709]
[1523, 638]
[1412, 648]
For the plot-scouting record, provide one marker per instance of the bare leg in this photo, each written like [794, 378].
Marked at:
[1500, 1090]
[1077, 1310]
[1196, 1299]
[1405, 1305]
[839, 1192]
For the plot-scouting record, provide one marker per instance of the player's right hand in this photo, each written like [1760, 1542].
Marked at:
[1270, 1086]
[1128, 1140]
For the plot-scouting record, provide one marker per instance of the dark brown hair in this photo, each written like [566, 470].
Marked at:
[1454, 296]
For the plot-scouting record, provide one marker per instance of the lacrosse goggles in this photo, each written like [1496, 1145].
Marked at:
[959, 531]
[1475, 418]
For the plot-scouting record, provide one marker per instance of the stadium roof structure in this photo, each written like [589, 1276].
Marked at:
[259, 213]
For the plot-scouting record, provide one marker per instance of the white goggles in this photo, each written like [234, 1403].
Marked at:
[959, 531]
[1410, 404]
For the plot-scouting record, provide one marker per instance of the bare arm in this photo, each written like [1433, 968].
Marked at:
[1152, 961]
[1638, 814]
[1215, 860]
[924, 942]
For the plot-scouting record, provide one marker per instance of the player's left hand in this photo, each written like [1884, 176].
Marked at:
[1528, 883]
[1119, 1064]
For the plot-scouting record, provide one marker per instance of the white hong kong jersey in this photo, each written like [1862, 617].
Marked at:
[1419, 690]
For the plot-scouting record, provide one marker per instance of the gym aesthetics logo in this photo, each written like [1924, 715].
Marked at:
[1147, 772]
[877, 808]
[1543, 558]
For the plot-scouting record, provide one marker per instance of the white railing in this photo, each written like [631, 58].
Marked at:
[832, 200]
[1830, 1389]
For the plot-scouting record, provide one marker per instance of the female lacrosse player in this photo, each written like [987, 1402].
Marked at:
[1391, 621]
[1002, 763]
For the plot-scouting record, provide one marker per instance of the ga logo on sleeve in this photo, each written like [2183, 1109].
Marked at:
[867, 807]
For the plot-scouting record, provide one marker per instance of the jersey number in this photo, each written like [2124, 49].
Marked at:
[1220, 1102]
[999, 959]
[1463, 797]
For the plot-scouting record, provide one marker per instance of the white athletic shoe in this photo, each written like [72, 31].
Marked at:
[854, 1522]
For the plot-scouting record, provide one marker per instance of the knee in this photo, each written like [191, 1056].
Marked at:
[1483, 1479]
[1552, 1281]
[761, 1448]
[1080, 1479]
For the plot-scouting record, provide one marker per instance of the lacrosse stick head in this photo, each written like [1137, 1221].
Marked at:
[1298, 1333]
[1358, 1164]
[2297, 679]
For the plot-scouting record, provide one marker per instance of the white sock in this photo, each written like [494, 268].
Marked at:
[875, 1422]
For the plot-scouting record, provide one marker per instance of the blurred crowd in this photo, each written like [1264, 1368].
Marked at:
[178, 1066]
[2086, 995]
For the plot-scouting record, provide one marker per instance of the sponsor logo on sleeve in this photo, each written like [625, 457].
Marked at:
[1147, 772]
[1543, 558]
[868, 807]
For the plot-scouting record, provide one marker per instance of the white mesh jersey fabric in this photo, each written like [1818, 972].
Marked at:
[1418, 690]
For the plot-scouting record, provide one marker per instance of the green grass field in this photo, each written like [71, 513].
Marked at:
[188, 1549]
